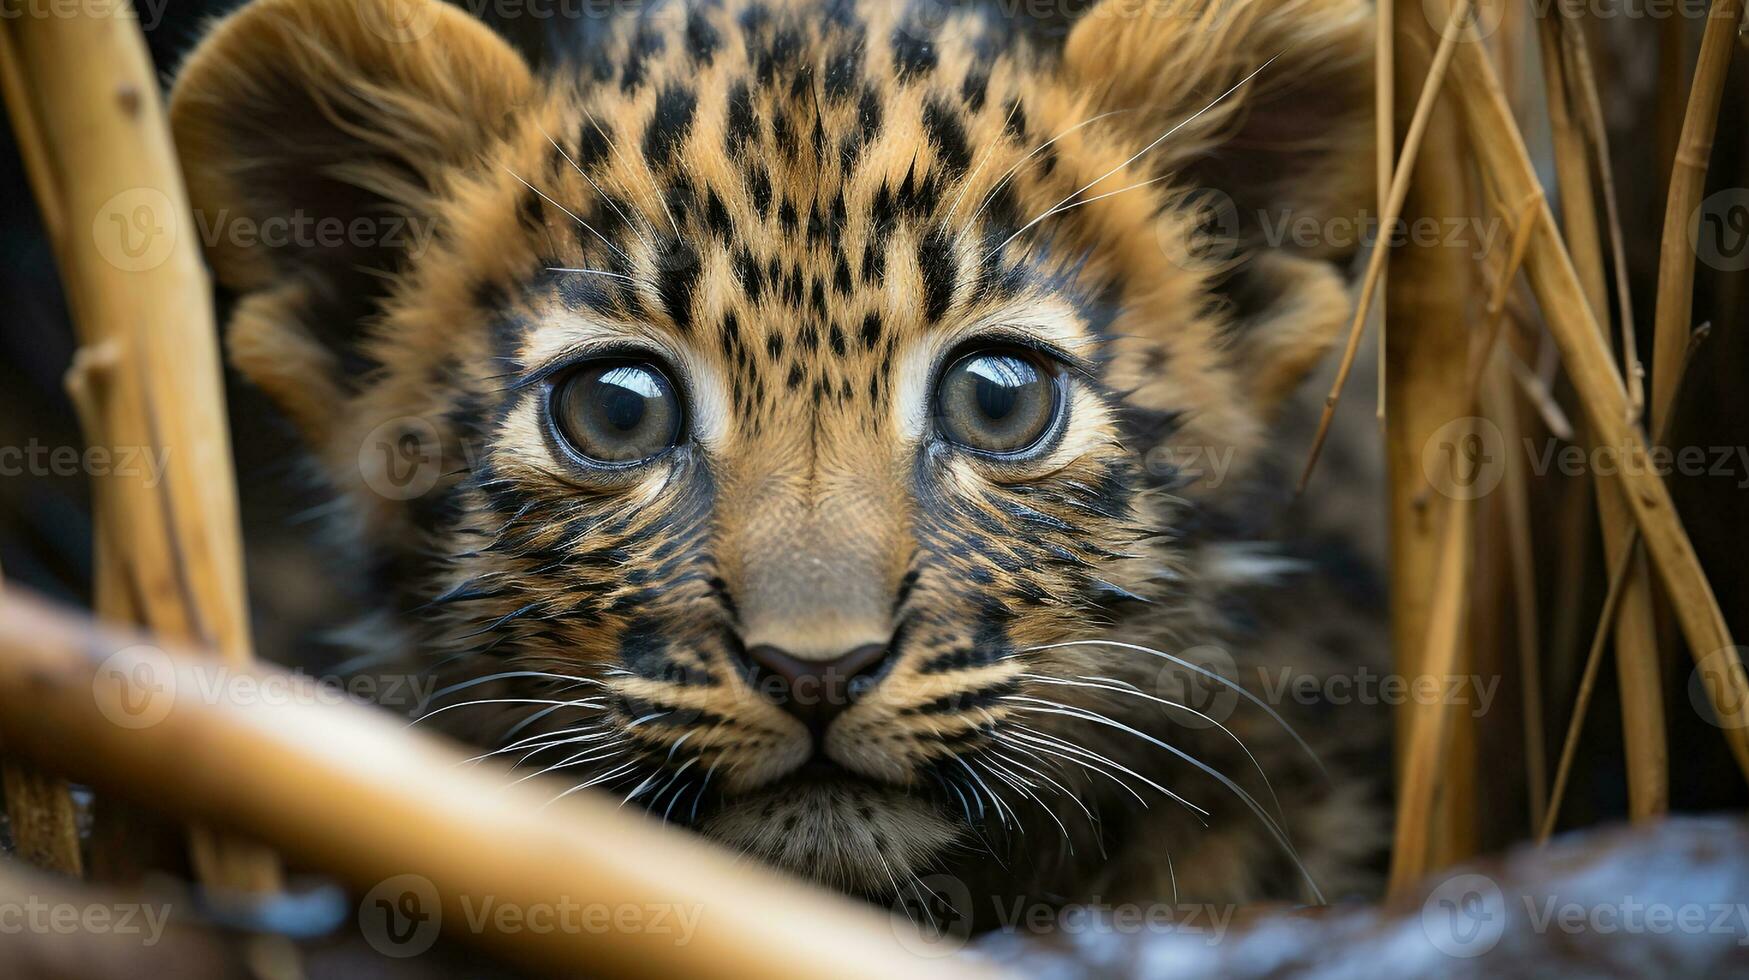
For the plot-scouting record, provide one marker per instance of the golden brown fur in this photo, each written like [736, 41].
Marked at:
[804, 210]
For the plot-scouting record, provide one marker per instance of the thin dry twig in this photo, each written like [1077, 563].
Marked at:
[1393, 210]
[1675, 310]
[1637, 660]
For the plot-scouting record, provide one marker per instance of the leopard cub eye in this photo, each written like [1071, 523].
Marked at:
[998, 401]
[617, 412]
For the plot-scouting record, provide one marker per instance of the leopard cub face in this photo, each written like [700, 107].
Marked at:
[795, 369]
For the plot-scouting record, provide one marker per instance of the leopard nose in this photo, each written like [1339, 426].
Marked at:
[815, 691]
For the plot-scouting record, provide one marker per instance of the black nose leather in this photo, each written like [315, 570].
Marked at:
[814, 691]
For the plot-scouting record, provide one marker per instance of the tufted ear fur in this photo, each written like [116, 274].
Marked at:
[1289, 148]
[315, 135]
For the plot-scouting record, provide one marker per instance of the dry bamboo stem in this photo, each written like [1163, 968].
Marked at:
[1675, 312]
[1501, 153]
[1636, 638]
[1521, 556]
[1620, 571]
[1385, 138]
[1430, 729]
[1388, 219]
[1583, 86]
[39, 810]
[1425, 796]
[353, 792]
[1429, 300]
[139, 293]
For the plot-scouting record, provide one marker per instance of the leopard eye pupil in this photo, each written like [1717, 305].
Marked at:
[996, 399]
[617, 412]
[1000, 402]
[622, 399]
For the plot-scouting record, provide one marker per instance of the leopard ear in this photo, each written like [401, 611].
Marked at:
[315, 136]
[1269, 107]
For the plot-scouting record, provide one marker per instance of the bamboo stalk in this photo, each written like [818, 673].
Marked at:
[1393, 210]
[1636, 638]
[1675, 310]
[39, 810]
[139, 294]
[1430, 731]
[1583, 81]
[353, 792]
[1428, 299]
[1499, 149]
[1385, 146]
[1619, 576]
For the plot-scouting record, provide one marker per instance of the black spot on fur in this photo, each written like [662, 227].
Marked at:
[717, 215]
[747, 271]
[871, 330]
[936, 261]
[742, 127]
[678, 282]
[644, 46]
[975, 89]
[913, 53]
[949, 136]
[702, 39]
[761, 190]
[669, 125]
[843, 69]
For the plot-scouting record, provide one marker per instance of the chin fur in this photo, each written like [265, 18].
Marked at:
[861, 839]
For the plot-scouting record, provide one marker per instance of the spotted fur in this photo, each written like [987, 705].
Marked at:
[805, 207]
